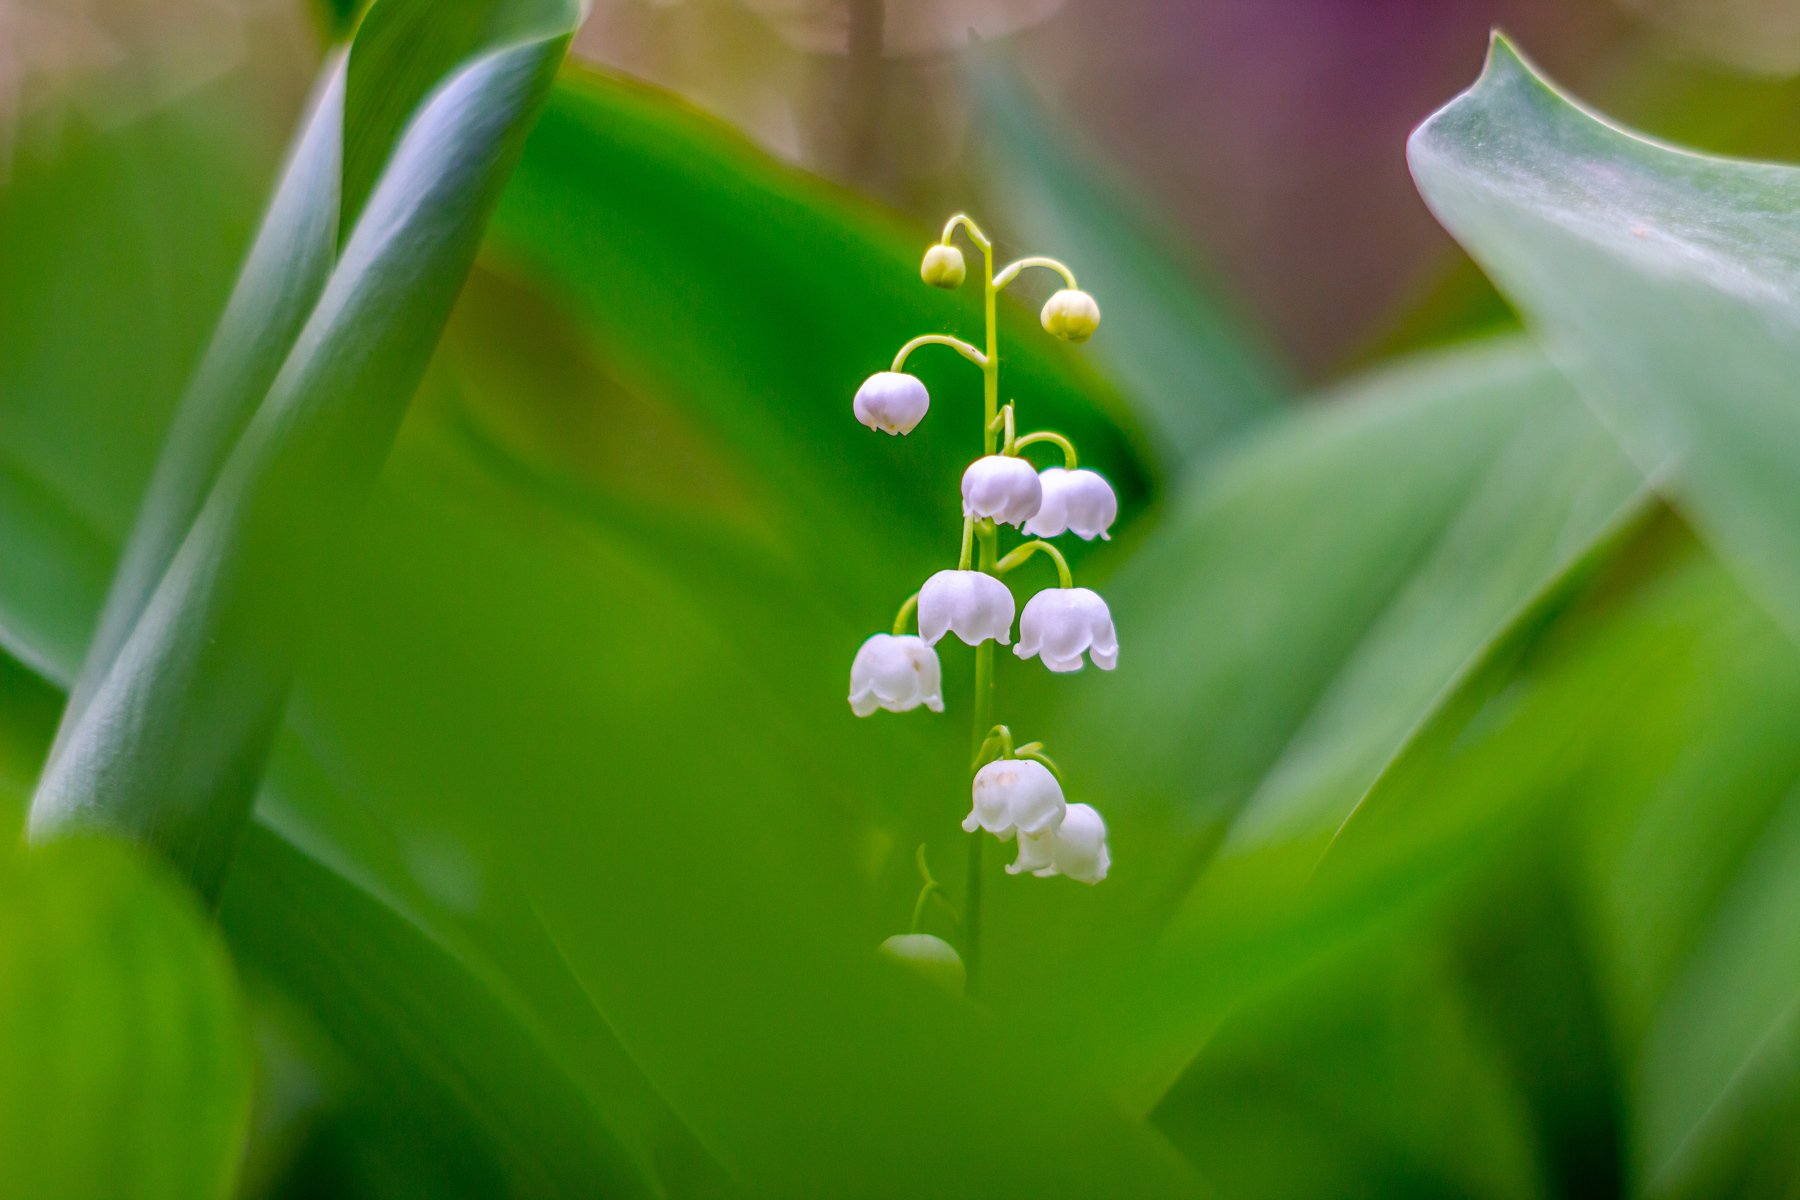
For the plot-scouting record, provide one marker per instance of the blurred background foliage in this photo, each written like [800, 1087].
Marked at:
[1451, 766]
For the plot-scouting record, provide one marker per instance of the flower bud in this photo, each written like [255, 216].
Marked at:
[972, 604]
[1015, 795]
[895, 672]
[1002, 487]
[1072, 315]
[1076, 848]
[943, 267]
[1079, 502]
[891, 401]
[932, 957]
[1060, 623]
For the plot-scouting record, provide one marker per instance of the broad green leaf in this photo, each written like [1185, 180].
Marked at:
[125, 1063]
[1299, 611]
[1644, 709]
[168, 739]
[1666, 281]
[1191, 370]
[1371, 1077]
[466, 1061]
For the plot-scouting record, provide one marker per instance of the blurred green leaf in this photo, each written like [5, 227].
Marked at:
[1371, 1077]
[1298, 612]
[1191, 370]
[1665, 280]
[167, 732]
[125, 1063]
[1647, 706]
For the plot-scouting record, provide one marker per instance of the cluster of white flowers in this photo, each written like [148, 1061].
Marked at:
[1017, 793]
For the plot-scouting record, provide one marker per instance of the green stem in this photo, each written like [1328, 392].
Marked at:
[940, 339]
[1025, 550]
[984, 708]
[1055, 439]
[906, 611]
[1011, 272]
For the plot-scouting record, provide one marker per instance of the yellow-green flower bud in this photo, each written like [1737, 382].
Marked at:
[1072, 315]
[943, 267]
[932, 957]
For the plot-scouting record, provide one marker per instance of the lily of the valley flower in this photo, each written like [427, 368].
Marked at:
[895, 672]
[891, 401]
[1071, 314]
[1001, 487]
[1060, 623]
[1015, 795]
[971, 604]
[1076, 848]
[1078, 502]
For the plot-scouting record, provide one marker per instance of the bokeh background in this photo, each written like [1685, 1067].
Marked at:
[568, 761]
[1265, 137]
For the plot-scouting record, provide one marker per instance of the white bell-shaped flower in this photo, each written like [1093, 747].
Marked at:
[1060, 623]
[971, 604]
[1015, 795]
[1076, 848]
[1078, 501]
[895, 672]
[1002, 487]
[891, 401]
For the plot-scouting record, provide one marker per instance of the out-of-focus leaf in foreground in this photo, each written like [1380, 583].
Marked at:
[1667, 282]
[288, 420]
[125, 1062]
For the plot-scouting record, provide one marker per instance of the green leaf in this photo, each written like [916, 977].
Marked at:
[1301, 609]
[1601, 715]
[1190, 369]
[1665, 280]
[166, 737]
[125, 1063]
[431, 1038]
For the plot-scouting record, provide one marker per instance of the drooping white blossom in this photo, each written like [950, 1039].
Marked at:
[895, 672]
[971, 604]
[1059, 624]
[1071, 314]
[1079, 502]
[891, 401]
[1015, 796]
[1076, 848]
[1002, 487]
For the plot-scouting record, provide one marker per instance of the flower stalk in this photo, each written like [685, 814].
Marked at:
[1017, 792]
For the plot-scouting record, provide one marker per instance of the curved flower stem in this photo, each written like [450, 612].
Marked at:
[969, 227]
[1012, 270]
[1035, 752]
[931, 888]
[1005, 419]
[1025, 550]
[1000, 734]
[907, 609]
[940, 339]
[963, 560]
[1055, 439]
